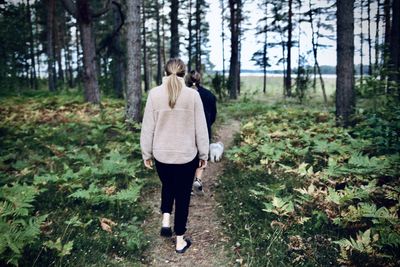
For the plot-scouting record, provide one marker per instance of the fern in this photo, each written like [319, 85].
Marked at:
[17, 228]
[20, 196]
[131, 194]
[96, 195]
[62, 249]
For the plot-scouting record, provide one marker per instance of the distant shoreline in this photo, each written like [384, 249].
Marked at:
[260, 74]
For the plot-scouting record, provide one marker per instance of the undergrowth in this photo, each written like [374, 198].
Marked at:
[70, 178]
[300, 191]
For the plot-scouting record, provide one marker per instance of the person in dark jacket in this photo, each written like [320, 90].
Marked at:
[193, 79]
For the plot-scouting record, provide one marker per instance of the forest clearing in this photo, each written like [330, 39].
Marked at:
[307, 112]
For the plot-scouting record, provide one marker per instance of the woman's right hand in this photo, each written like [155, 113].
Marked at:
[202, 164]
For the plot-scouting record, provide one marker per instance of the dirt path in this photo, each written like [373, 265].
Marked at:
[204, 226]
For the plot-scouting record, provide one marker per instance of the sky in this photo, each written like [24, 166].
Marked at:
[250, 44]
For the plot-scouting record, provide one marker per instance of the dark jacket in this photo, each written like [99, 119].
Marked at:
[210, 107]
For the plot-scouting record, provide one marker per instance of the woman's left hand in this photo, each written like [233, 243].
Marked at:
[148, 163]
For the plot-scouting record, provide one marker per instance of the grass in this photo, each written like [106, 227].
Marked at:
[252, 87]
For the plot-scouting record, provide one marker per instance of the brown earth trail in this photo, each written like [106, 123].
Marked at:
[204, 225]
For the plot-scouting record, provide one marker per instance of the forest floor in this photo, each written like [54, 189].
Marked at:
[204, 225]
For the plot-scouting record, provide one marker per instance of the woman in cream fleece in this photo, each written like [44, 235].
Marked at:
[174, 133]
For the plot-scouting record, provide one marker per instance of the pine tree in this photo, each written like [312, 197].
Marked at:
[345, 96]
[51, 5]
[234, 69]
[133, 77]
[85, 17]
[174, 49]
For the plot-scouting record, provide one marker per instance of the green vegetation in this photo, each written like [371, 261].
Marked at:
[300, 191]
[69, 183]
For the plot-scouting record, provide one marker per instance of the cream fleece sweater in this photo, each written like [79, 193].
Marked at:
[174, 136]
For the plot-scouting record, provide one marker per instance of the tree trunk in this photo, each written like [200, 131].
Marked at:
[190, 39]
[118, 69]
[369, 38]
[50, 45]
[145, 59]
[315, 54]
[198, 36]
[37, 54]
[386, 46]
[133, 80]
[90, 82]
[174, 50]
[78, 55]
[159, 54]
[394, 60]
[163, 49]
[33, 80]
[68, 66]
[233, 68]
[378, 15]
[288, 82]
[345, 97]
[361, 43]
[265, 62]
[58, 47]
[321, 80]
[239, 33]
[223, 41]
[283, 63]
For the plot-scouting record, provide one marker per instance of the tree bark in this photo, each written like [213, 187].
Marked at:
[58, 44]
[33, 80]
[118, 69]
[378, 17]
[145, 59]
[369, 38]
[386, 46]
[394, 60]
[265, 61]
[361, 43]
[198, 36]
[223, 41]
[163, 49]
[84, 16]
[133, 80]
[174, 50]
[345, 97]
[159, 54]
[239, 33]
[190, 39]
[234, 66]
[50, 46]
[90, 81]
[288, 82]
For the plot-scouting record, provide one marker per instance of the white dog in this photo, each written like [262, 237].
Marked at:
[216, 150]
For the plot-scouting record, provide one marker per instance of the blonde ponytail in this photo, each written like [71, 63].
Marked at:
[174, 68]
[174, 89]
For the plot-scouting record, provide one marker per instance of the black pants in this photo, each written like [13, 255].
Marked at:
[177, 180]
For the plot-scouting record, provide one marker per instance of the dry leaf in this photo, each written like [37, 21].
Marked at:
[107, 224]
[109, 190]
